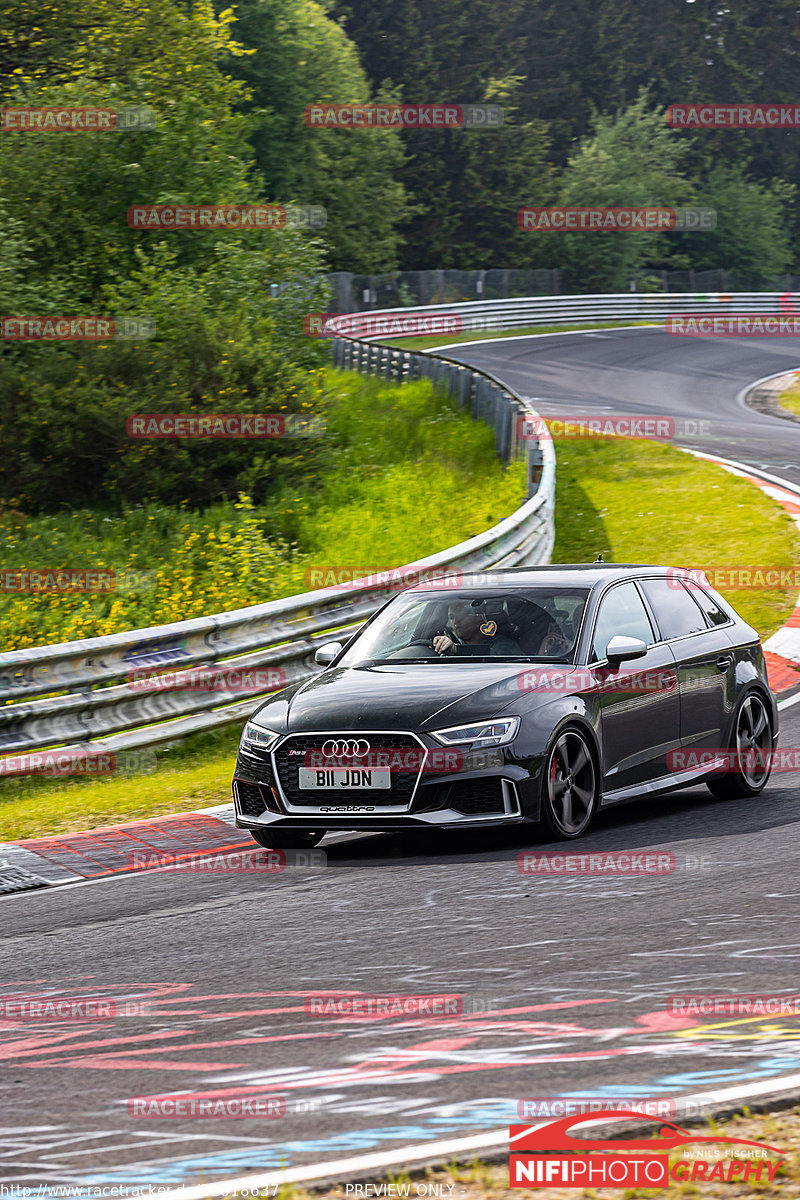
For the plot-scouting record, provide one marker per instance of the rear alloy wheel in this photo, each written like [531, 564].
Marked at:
[751, 753]
[287, 839]
[569, 798]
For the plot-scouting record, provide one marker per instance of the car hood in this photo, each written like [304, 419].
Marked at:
[394, 696]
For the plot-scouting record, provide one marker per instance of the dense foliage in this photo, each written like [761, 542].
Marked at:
[569, 69]
[584, 87]
[403, 475]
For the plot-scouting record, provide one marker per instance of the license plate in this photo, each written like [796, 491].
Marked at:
[345, 779]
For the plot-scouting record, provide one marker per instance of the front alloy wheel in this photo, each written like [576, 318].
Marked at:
[751, 753]
[287, 839]
[570, 786]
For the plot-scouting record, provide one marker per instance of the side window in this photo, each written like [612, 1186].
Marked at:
[621, 612]
[713, 613]
[676, 612]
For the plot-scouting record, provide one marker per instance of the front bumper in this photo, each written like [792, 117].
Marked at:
[490, 787]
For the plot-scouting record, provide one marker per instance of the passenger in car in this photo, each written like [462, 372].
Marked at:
[536, 631]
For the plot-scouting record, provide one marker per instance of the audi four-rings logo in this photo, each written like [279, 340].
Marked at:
[345, 748]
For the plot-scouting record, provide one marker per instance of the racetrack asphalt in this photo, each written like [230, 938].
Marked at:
[565, 980]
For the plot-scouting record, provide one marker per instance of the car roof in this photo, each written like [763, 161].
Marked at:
[562, 575]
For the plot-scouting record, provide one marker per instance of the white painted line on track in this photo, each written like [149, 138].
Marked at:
[740, 468]
[494, 1142]
[524, 337]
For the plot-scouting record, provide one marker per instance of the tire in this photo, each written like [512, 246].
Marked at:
[752, 731]
[570, 787]
[287, 839]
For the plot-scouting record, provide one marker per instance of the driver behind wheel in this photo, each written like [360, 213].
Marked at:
[474, 633]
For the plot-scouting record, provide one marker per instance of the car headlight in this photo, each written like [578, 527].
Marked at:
[258, 737]
[482, 733]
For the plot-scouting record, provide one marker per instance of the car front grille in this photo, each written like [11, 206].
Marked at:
[249, 799]
[253, 798]
[476, 797]
[398, 795]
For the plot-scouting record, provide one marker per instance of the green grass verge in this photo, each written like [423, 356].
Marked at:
[790, 398]
[195, 773]
[403, 474]
[480, 1180]
[636, 501]
[429, 343]
[633, 501]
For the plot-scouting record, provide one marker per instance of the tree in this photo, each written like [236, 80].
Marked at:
[163, 50]
[73, 189]
[470, 186]
[297, 57]
[752, 237]
[466, 186]
[226, 340]
[632, 159]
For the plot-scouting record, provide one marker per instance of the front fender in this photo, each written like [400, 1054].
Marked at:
[539, 727]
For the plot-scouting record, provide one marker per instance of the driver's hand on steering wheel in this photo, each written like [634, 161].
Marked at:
[442, 643]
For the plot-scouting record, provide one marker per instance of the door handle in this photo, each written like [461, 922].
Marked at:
[724, 661]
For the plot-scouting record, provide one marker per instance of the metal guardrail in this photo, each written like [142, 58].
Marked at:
[359, 293]
[77, 697]
[527, 311]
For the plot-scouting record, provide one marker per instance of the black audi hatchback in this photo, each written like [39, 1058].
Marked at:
[530, 695]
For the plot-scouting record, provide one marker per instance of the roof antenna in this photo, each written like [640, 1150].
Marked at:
[599, 558]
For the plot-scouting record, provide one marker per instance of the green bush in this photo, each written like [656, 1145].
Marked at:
[223, 344]
[398, 475]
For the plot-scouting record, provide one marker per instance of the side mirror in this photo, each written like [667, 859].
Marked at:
[621, 648]
[326, 653]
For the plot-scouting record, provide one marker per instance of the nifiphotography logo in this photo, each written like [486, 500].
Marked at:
[581, 1162]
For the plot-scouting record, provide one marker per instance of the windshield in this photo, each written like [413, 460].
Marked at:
[539, 624]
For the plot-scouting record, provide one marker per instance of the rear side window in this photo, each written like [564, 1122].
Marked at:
[713, 613]
[621, 612]
[676, 612]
